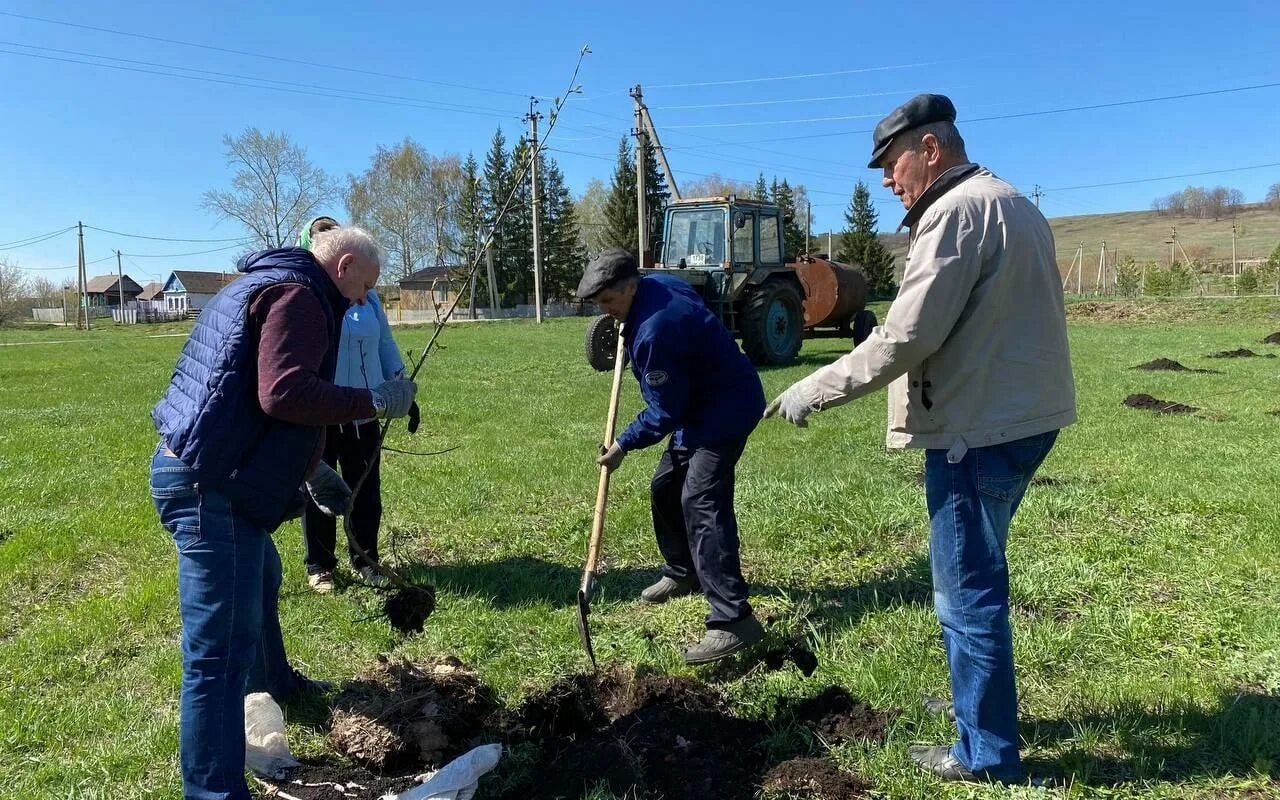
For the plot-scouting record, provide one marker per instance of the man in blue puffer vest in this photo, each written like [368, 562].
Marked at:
[242, 432]
[702, 392]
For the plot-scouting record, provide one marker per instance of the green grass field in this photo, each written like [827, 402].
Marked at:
[1146, 580]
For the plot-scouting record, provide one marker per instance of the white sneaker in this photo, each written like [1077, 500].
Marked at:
[372, 577]
[322, 582]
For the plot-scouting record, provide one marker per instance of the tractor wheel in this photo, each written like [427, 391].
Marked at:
[772, 324]
[602, 343]
[863, 323]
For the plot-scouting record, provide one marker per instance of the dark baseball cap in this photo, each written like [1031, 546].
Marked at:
[919, 110]
[609, 267]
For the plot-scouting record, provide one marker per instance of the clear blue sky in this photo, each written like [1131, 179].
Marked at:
[133, 152]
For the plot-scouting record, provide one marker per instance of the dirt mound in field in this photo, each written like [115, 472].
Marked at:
[636, 734]
[1241, 353]
[835, 716]
[399, 713]
[1272, 339]
[816, 778]
[1169, 365]
[1148, 403]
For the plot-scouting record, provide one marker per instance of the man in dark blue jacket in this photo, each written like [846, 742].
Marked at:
[242, 431]
[700, 390]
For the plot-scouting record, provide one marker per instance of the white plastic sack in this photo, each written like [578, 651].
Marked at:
[457, 780]
[266, 750]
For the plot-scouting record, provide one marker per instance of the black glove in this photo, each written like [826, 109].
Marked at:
[415, 417]
[329, 491]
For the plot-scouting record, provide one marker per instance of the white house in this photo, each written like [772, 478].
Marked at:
[186, 290]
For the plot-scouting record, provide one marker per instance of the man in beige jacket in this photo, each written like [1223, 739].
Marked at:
[974, 353]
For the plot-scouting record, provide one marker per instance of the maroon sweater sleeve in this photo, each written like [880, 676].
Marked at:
[292, 341]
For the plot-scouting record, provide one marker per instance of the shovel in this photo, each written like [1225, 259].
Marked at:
[588, 585]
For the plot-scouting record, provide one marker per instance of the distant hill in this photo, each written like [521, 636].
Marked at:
[1145, 235]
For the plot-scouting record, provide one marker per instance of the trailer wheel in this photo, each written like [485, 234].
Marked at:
[772, 323]
[602, 343]
[864, 322]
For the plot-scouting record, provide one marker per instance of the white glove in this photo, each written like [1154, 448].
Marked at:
[394, 398]
[790, 406]
[457, 780]
[329, 491]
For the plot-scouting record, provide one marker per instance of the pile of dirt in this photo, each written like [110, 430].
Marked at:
[1168, 364]
[1272, 339]
[399, 713]
[637, 734]
[835, 716]
[817, 778]
[1241, 353]
[407, 609]
[1149, 403]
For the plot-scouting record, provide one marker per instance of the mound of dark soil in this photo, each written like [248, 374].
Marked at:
[1272, 339]
[407, 609]
[640, 735]
[399, 713]
[1169, 365]
[836, 717]
[1148, 403]
[1241, 353]
[816, 778]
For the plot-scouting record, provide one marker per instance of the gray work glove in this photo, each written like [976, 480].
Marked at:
[329, 491]
[394, 398]
[790, 406]
[612, 457]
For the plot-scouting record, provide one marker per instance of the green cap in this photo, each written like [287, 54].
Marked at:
[304, 238]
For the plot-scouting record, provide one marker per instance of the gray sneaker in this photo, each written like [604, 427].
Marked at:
[939, 760]
[667, 588]
[372, 577]
[721, 642]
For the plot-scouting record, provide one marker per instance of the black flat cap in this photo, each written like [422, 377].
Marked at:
[919, 110]
[611, 265]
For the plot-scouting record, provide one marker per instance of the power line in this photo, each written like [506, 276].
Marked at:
[738, 81]
[375, 95]
[758, 123]
[781, 101]
[20, 243]
[319, 92]
[194, 253]
[1163, 177]
[251, 54]
[161, 238]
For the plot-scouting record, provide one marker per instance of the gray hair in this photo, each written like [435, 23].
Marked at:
[948, 136]
[334, 242]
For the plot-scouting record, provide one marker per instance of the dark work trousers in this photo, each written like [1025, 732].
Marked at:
[692, 501]
[348, 449]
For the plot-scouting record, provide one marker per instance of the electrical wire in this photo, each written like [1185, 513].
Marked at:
[266, 56]
[162, 238]
[30, 240]
[740, 81]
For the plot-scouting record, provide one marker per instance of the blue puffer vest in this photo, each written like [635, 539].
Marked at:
[210, 417]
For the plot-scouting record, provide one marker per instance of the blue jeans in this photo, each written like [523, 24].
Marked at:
[970, 505]
[228, 592]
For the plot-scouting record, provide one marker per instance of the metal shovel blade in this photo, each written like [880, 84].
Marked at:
[584, 628]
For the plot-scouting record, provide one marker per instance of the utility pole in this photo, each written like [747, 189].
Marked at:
[493, 283]
[1080, 272]
[1234, 273]
[830, 254]
[1036, 193]
[1173, 242]
[64, 305]
[642, 229]
[84, 281]
[120, 285]
[533, 118]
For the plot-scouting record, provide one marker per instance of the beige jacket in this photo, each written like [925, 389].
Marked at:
[974, 348]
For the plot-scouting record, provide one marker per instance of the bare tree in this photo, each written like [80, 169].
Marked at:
[274, 190]
[715, 185]
[409, 199]
[589, 211]
[13, 291]
[45, 292]
[1273, 197]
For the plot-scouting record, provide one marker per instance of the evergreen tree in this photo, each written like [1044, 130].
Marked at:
[792, 233]
[656, 192]
[861, 247]
[515, 273]
[495, 188]
[762, 189]
[470, 218]
[563, 253]
[620, 209]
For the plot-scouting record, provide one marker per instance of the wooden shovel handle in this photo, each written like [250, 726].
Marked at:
[602, 491]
